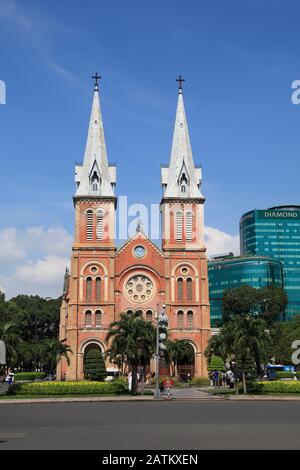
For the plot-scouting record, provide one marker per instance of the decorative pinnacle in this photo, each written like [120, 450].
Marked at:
[180, 80]
[96, 77]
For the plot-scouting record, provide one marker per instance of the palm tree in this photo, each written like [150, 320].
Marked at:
[250, 340]
[177, 351]
[51, 351]
[133, 339]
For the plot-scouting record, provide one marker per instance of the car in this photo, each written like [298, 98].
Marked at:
[112, 374]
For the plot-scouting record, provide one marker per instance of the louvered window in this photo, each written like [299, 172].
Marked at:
[189, 289]
[89, 225]
[89, 289]
[98, 317]
[190, 319]
[88, 317]
[98, 289]
[180, 319]
[99, 224]
[189, 225]
[180, 288]
[178, 225]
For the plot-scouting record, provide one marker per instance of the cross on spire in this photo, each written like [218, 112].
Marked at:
[180, 80]
[96, 77]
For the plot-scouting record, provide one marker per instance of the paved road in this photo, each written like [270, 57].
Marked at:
[151, 425]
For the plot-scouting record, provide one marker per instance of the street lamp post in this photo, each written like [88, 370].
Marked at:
[160, 316]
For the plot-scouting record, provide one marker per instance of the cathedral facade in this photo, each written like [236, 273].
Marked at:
[105, 280]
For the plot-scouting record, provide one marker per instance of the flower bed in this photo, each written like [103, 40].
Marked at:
[68, 388]
[279, 387]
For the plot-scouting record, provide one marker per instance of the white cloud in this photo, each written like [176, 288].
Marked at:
[46, 271]
[33, 260]
[218, 242]
[10, 247]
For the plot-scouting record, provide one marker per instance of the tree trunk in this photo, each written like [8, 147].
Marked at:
[244, 380]
[134, 380]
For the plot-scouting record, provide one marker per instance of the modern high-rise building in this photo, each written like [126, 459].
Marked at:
[275, 232]
[228, 272]
[105, 281]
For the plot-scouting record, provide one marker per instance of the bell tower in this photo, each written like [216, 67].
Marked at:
[88, 305]
[182, 209]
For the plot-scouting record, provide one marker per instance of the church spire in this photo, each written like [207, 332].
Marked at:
[95, 177]
[181, 179]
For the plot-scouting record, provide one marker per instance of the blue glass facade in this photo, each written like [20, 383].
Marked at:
[229, 272]
[275, 232]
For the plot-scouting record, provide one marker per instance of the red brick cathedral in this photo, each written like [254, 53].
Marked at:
[105, 280]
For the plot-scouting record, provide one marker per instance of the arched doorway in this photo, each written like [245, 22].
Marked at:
[186, 363]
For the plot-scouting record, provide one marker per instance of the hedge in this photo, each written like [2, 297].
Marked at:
[284, 375]
[298, 375]
[278, 386]
[29, 376]
[68, 388]
[200, 381]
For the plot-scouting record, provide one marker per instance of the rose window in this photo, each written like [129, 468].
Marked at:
[139, 288]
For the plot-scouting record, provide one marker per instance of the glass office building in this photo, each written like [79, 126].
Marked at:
[275, 232]
[227, 272]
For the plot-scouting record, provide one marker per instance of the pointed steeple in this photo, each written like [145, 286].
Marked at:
[181, 179]
[95, 177]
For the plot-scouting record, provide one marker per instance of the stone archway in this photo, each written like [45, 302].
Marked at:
[186, 365]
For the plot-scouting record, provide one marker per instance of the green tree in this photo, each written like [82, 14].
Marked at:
[178, 351]
[250, 341]
[94, 365]
[52, 350]
[269, 302]
[216, 363]
[133, 339]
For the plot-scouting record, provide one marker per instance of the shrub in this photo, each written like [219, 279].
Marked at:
[200, 381]
[29, 376]
[284, 375]
[298, 374]
[278, 387]
[94, 365]
[216, 363]
[69, 388]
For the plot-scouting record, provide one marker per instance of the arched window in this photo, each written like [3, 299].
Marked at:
[189, 225]
[98, 289]
[180, 316]
[89, 281]
[98, 317]
[180, 288]
[89, 224]
[99, 224]
[95, 181]
[88, 318]
[178, 225]
[130, 312]
[189, 289]
[149, 315]
[190, 319]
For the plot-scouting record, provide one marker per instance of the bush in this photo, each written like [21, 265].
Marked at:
[68, 388]
[94, 365]
[284, 375]
[278, 387]
[200, 381]
[298, 375]
[29, 376]
[216, 363]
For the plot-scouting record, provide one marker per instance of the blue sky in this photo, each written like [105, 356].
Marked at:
[239, 60]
